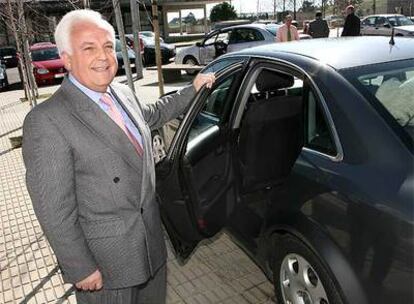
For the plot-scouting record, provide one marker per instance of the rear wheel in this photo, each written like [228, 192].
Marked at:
[299, 276]
[191, 61]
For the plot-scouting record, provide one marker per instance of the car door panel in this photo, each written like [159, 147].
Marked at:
[195, 181]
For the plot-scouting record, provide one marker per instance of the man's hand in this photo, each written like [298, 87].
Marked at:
[91, 283]
[204, 79]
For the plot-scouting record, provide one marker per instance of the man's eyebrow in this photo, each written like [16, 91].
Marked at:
[86, 43]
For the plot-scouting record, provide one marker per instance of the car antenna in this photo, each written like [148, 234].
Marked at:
[392, 42]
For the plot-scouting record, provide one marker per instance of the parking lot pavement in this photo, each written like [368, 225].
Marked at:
[218, 272]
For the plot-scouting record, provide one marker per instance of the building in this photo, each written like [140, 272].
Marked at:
[178, 20]
[405, 7]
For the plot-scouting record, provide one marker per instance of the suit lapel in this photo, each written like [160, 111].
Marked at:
[132, 109]
[98, 122]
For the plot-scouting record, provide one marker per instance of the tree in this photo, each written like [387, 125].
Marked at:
[190, 19]
[223, 11]
[308, 6]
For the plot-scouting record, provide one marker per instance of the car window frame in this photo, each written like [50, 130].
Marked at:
[292, 69]
[177, 141]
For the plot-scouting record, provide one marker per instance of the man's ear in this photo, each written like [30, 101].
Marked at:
[67, 60]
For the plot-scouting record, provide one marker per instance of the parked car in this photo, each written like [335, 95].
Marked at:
[47, 65]
[9, 57]
[305, 155]
[129, 38]
[148, 41]
[4, 83]
[131, 56]
[384, 24]
[223, 41]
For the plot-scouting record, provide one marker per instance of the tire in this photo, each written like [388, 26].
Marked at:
[299, 276]
[191, 61]
[158, 146]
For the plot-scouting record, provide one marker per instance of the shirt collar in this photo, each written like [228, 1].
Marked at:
[95, 96]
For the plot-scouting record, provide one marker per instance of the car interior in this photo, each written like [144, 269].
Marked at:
[271, 129]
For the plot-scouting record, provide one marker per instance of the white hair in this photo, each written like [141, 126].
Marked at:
[64, 28]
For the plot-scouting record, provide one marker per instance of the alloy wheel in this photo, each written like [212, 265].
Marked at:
[300, 283]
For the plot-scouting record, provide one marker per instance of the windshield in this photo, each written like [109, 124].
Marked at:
[45, 54]
[148, 34]
[390, 87]
[399, 21]
[272, 28]
[7, 52]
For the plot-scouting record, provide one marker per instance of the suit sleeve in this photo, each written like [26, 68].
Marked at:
[168, 107]
[279, 35]
[326, 28]
[51, 184]
[345, 28]
[296, 34]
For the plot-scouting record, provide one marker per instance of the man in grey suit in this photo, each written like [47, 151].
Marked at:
[90, 170]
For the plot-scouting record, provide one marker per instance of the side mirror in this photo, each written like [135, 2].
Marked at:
[198, 44]
[387, 25]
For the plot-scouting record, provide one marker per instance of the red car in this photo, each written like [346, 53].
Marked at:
[47, 65]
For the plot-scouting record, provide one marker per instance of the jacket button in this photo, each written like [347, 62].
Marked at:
[116, 179]
[142, 210]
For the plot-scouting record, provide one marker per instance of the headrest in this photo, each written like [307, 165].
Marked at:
[271, 81]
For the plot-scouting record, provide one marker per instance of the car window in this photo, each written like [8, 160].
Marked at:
[369, 21]
[210, 40]
[245, 35]
[394, 89]
[212, 113]
[318, 136]
[389, 87]
[399, 21]
[220, 65]
[45, 54]
[381, 21]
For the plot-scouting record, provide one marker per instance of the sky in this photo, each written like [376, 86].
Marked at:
[244, 6]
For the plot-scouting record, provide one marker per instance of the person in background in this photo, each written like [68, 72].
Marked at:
[352, 26]
[287, 32]
[90, 170]
[318, 28]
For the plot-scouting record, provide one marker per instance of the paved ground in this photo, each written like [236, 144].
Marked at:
[218, 272]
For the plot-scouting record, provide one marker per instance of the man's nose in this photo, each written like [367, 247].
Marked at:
[102, 53]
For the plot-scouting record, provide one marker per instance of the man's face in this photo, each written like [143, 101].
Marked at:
[349, 11]
[289, 21]
[93, 60]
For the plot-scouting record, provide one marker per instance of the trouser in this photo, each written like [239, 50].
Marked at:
[151, 292]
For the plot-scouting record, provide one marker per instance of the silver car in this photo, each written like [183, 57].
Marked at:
[382, 25]
[226, 40]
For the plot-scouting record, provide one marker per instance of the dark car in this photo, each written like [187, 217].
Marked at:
[8, 56]
[147, 39]
[4, 83]
[305, 155]
[131, 56]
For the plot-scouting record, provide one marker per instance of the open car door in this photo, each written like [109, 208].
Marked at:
[195, 182]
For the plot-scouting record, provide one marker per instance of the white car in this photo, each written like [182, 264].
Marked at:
[226, 40]
[382, 25]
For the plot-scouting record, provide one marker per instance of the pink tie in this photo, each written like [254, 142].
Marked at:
[117, 118]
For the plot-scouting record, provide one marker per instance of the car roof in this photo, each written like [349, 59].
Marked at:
[385, 15]
[250, 25]
[42, 45]
[343, 52]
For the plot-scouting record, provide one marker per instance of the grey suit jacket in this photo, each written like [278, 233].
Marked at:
[92, 194]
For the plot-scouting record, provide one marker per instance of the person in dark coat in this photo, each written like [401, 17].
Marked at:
[352, 26]
[319, 28]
